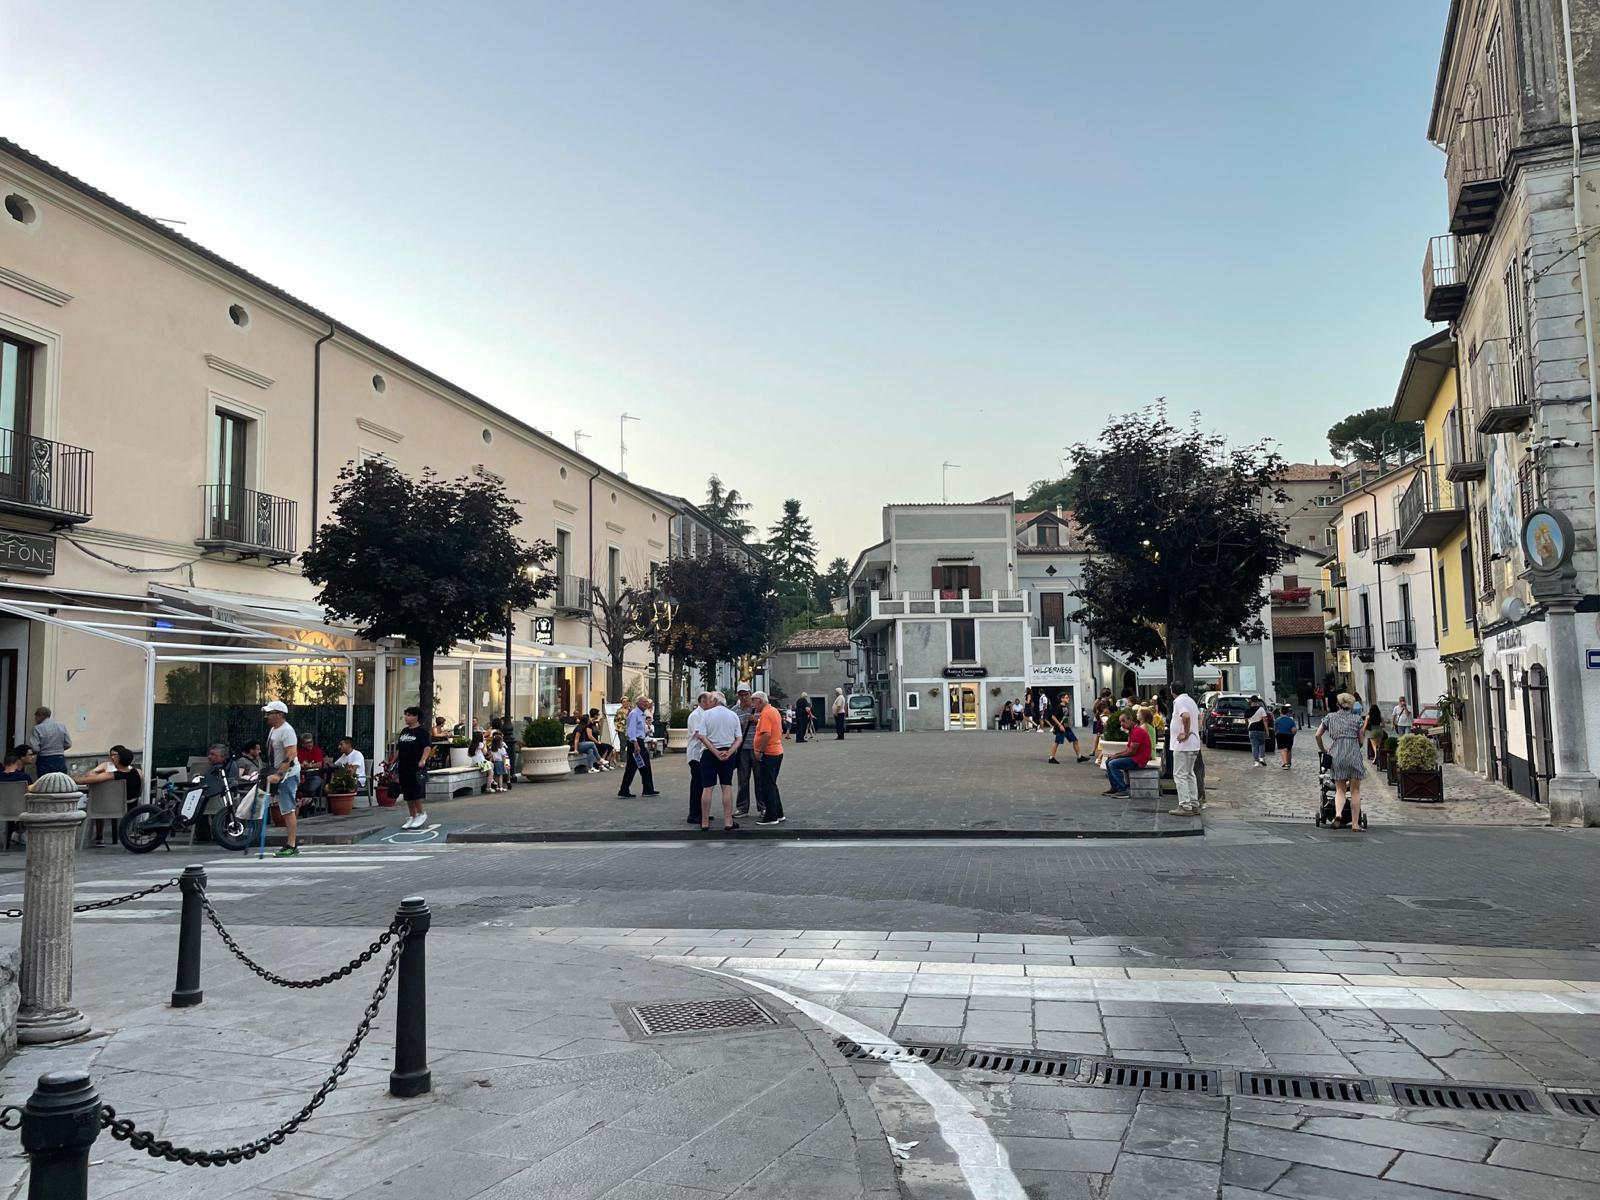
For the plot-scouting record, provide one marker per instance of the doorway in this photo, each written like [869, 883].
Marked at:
[963, 707]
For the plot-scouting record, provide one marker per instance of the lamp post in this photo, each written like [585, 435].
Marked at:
[662, 610]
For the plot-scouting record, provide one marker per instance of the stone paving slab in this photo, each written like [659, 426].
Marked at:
[539, 1089]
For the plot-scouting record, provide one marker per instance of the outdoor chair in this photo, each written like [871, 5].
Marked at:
[108, 801]
[13, 802]
[197, 765]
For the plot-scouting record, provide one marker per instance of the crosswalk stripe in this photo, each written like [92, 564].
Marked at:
[322, 856]
[300, 867]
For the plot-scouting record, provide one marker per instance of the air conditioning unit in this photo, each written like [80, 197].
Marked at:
[882, 677]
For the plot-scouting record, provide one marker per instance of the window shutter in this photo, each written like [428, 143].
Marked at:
[974, 580]
[938, 579]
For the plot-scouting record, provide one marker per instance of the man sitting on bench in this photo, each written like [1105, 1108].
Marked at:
[1138, 755]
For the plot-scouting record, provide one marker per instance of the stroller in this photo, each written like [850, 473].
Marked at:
[1326, 810]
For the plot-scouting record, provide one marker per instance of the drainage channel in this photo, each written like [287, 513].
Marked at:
[1209, 1081]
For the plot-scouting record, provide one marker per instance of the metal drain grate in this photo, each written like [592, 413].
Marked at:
[1577, 1104]
[1306, 1087]
[697, 1016]
[1480, 1097]
[929, 1054]
[1045, 1065]
[529, 901]
[1160, 1077]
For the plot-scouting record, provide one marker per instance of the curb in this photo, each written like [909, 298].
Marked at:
[795, 835]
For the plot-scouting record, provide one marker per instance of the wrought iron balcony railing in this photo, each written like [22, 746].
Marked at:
[41, 478]
[248, 523]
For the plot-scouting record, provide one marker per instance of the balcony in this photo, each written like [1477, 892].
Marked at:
[1463, 452]
[1400, 635]
[1387, 548]
[1336, 576]
[884, 607]
[571, 594]
[1444, 280]
[1508, 404]
[48, 480]
[1431, 509]
[1475, 172]
[1356, 638]
[1295, 597]
[246, 523]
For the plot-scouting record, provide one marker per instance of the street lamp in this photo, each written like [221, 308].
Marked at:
[511, 626]
[662, 610]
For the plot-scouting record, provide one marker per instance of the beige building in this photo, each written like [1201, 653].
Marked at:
[171, 428]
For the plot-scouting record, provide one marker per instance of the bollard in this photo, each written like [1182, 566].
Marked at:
[59, 1124]
[187, 993]
[51, 821]
[411, 1076]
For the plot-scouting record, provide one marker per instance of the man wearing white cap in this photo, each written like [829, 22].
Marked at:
[748, 715]
[283, 759]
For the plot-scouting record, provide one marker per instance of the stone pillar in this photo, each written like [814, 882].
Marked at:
[51, 823]
[1574, 792]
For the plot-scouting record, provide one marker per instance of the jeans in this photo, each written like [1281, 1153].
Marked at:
[1117, 772]
[741, 802]
[48, 763]
[590, 753]
[838, 726]
[1258, 744]
[1183, 775]
[767, 786]
[694, 791]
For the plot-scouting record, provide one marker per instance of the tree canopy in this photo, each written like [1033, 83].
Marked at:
[725, 610]
[1366, 435]
[428, 560]
[792, 550]
[1049, 494]
[727, 507]
[1184, 538]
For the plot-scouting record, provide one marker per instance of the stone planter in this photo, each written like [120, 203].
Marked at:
[459, 756]
[677, 740]
[341, 804]
[544, 762]
[1423, 787]
[1110, 750]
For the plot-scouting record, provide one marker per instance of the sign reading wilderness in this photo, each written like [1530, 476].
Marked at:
[1053, 674]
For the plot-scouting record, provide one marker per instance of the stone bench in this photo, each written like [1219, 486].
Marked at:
[1144, 783]
[453, 781]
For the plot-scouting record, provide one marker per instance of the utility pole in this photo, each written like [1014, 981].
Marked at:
[944, 481]
[622, 444]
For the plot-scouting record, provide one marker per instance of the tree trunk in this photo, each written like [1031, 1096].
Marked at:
[425, 686]
[1180, 657]
[614, 679]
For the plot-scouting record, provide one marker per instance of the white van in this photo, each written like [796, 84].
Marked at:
[861, 711]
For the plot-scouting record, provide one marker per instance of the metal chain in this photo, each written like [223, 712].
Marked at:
[11, 1117]
[15, 913]
[125, 1131]
[355, 964]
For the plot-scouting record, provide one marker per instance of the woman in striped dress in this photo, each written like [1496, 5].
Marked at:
[1342, 729]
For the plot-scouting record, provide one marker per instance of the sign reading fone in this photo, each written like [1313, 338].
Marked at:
[30, 552]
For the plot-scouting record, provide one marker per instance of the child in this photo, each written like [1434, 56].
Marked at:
[477, 758]
[502, 764]
[1285, 727]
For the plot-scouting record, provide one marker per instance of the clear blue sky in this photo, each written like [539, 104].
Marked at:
[817, 248]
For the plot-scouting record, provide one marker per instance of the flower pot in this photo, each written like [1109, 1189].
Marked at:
[1110, 750]
[459, 756]
[277, 817]
[1423, 787]
[544, 762]
[386, 798]
[677, 740]
[341, 804]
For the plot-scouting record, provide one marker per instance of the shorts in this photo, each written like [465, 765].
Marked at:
[714, 770]
[1066, 736]
[1285, 741]
[413, 785]
[288, 790]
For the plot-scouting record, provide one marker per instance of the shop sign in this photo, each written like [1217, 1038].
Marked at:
[544, 631]
[1594, 659]
[966, 672]
[1053, 674]
[31, 552]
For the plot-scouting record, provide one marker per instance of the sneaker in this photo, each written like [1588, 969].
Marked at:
[1052, 761]
[422, 819]
[1116, 792]
[287, 852]
[1083, 758]
[764, 821]
[1181, 811]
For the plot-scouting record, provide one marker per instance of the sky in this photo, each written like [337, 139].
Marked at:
[818, 249]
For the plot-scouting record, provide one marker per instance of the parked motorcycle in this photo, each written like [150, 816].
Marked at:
[229, 803]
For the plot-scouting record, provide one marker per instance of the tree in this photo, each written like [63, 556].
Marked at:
[792, 548]
[324, 686]
[833, 583]
[727, 507]
[185, 685]
[1051, 494]
[725, 609]
[1366, 435]
[1184, 538]
[619, 619]
[428, 560]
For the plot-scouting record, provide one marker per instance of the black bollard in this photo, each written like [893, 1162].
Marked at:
[411, 1076]
[187, 993]
[59, 1124]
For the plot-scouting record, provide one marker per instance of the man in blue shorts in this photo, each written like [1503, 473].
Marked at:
[283, 759]
[1061, 725]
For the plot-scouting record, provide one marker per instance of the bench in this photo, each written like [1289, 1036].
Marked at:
[1144, 783]
[453, 781]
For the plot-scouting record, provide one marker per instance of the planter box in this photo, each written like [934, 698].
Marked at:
[1423, 787]
[1110, 750]
[341, 804]
[677, 740]
[452, 781]
[459, 756]
[1392, 771]
[1144, 783]
[545, 762]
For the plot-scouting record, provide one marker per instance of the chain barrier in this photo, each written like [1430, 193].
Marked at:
[11, 1116]
[355, 964]
[16, 913]
[126, 1131]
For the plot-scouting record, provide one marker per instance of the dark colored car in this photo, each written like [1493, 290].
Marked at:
[1224, 719]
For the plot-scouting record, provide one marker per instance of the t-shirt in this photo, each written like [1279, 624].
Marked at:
[15, 777]
[1260, 717]
[1287, 725]
[1181, 706]
[697, 721]
[722, 727]
[312, 757]
[408, 750]
[1139, 745]
[1401, 716]
[133, 780]
[280, 742]
[357, 762]
[769, 732]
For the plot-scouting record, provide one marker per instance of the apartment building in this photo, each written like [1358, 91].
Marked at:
[171, 428]
[1516, 110]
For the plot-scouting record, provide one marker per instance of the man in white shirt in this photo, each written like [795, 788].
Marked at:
[721, 735]
[1183, 738]
[693, 751]
[350, 757]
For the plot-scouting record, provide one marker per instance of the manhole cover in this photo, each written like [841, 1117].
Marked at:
[697, 1016]
[1448, 903]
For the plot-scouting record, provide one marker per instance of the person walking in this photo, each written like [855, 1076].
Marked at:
[412, 751]
[1401, 716]
[720, 735]
[1140, 748]
[1285, 727]
[839, 707]
[1183, 739]
[1372, 729]
[693, 749]
[803, 718]
[637, 749]
[283, 755]
[1339, 737]
[746, 712]
[50, 741]
[1061, 726]
[1260, 727]
[768, 752]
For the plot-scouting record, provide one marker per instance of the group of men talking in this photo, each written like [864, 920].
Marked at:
[724, 740]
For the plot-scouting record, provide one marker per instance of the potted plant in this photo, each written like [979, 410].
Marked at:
[678, 730]
[342, 788]
[1390, 764]
[458, 752]
[1421, 778]
[544, 749]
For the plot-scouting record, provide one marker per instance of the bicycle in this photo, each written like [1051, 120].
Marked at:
[148, 826]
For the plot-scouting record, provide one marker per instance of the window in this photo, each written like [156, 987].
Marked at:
[1049, 534]
[230, 439]
[911, 701]
[1324, 501]
[238, 315]
[1290, 582]
[1527, 488]
[613, 572]
[1466, 584]
[1444, 604]
[1517, 332]
[806, 660]
[953, 579]
[964, 640]
[16, 385]
[1330, 536]
[1485, 567]
[19, 209]
[1359, 537]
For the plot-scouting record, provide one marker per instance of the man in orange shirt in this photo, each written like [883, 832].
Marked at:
[768, 752]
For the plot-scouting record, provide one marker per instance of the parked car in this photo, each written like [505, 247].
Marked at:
[861, 711]
[1429, 720]
[1224, 719]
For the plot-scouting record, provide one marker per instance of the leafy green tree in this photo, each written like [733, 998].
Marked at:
[1184, 540]
[1365, 436]
[1050, 494]
[835, 581]
[792, 548]
[620, 619]
[727, 507]
[185, 685]
[725, 610]
[428, 560]
[324, 686]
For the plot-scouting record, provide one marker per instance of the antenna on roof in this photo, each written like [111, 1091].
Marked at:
[944, 481]
[577, 440]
